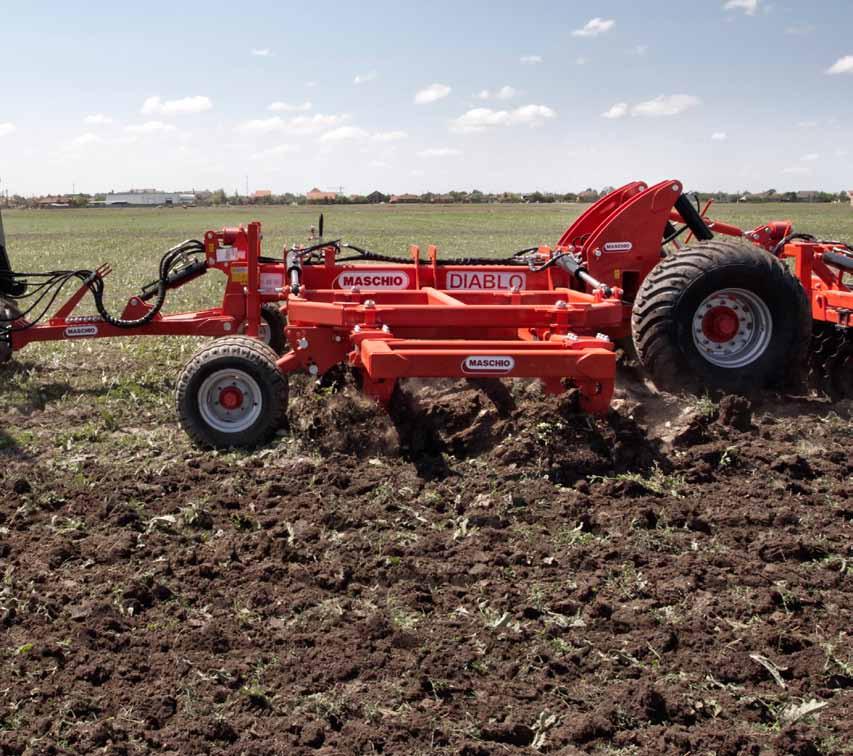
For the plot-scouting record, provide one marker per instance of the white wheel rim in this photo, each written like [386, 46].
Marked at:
[230, 400]
[732, 328]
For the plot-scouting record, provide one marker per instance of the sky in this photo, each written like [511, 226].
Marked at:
[425, 96]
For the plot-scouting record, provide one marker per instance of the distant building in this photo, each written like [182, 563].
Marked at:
[376, 197]
[148, 198]
[401, 198]
[807, 196]
[315, 195]
[262, 194]
[53, 202]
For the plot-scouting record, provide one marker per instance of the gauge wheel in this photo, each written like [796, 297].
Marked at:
[231, 394]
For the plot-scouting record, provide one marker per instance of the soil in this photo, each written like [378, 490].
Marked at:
[487, 571]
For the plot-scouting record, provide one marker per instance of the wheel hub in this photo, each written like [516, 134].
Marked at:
[720, 324]
[732, 328]
[230, 400]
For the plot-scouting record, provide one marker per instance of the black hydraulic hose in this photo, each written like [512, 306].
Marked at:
[54, 282]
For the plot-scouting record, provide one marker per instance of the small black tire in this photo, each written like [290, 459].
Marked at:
[273, 325]
[765, 331]
[242, 371]
[276, 321]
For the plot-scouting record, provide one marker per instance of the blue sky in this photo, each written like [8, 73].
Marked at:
[405, 96]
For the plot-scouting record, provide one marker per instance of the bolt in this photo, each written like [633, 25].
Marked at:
[338, 339]
[369, 304]
[597, 253]
[226, 326]
[571, 337]
[302, 343]
[676, 188]
[313, 369]
[386, 329]
[356, 329]
[561, 304]
[134, 301]
[602, 337]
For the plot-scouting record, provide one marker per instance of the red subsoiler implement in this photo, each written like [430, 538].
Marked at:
[719, 315]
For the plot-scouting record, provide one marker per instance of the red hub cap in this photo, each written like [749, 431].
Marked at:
[720, 324]
[230, 397]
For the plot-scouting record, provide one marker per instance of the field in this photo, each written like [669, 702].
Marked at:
[477, 574]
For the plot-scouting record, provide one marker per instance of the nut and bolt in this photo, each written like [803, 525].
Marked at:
[302, 343]
[369, 304]
[313, 369]
[561, 304]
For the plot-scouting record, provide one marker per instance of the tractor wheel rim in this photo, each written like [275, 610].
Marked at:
[732, 328]
[230, 401]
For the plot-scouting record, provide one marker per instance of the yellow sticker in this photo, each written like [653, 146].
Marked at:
[617, 274]
[240, 275]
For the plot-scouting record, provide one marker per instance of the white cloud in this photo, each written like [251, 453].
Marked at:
[284, 107]
[278, 150]
[439, 152]
[619, 110]
[97, 119]
[796, 170]
[530, 60]
[343, 134]
[262, 125]
[504, 93]
[364, 78]
[640, 50]
[87, 138]
[810, 157]
[807, 124]
[432, 93]
[378, 164]
[263, 52]
[389, 136]
[316, 122]
[666, 105]
[841, 66]
[184, 106]
[719, 136]
[303, 124]
[479, 119]
[150, 127]
[6, 129]
[594, 27]
[581, 61]
[750, 7]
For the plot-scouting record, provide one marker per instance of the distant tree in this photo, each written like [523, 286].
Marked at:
[218, 197]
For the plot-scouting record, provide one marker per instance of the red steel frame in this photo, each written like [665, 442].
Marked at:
[234, 251]
[426, 319]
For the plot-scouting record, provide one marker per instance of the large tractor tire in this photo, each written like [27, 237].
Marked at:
[231, 394]
[721, 316]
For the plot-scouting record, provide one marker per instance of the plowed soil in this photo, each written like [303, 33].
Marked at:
[485, 572]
